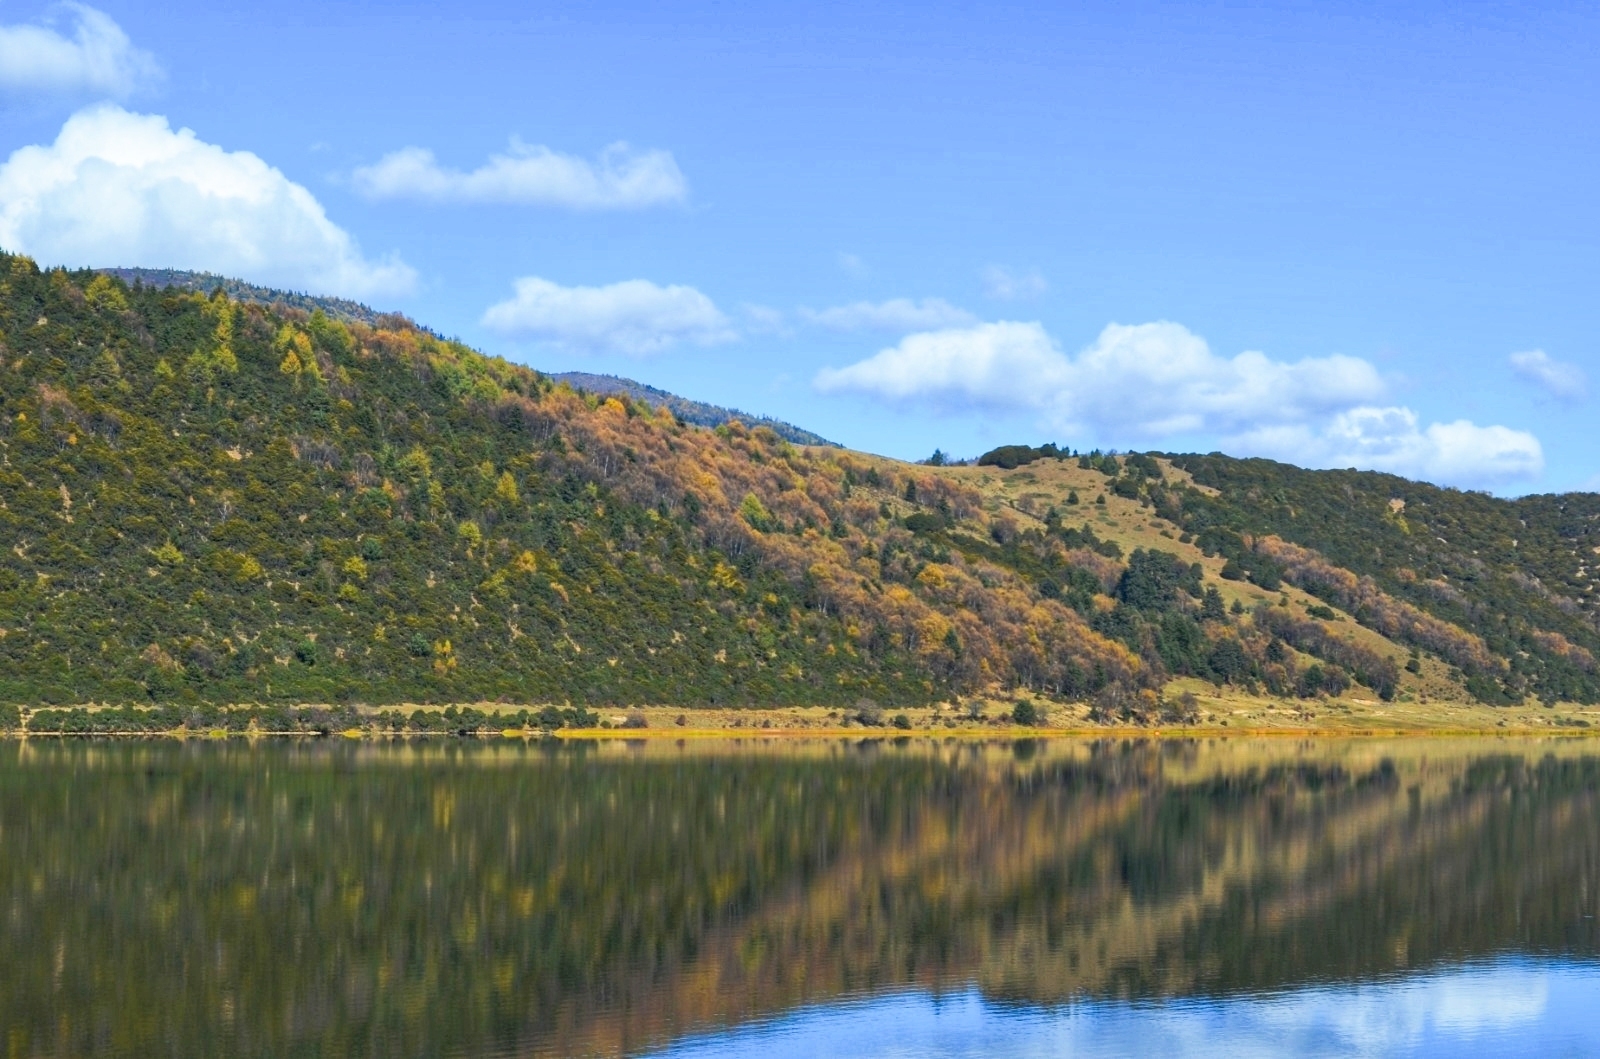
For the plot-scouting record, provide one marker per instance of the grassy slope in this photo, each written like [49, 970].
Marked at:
[1435, 697]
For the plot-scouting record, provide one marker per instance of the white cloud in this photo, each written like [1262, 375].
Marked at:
[95, 57]
[853, 265]
[1391, 439]
[635, 317]
[1466, 1010]
[1003, 284]
[1565, 381]
[1147, 382]
[896, 314]
[125, 189]
[621, 178]
[1000, 365]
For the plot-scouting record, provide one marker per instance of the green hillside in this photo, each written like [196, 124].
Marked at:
[209, 500]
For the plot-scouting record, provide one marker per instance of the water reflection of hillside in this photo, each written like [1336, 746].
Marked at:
[346, 899]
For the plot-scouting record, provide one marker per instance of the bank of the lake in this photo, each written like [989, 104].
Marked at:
[1205, 712]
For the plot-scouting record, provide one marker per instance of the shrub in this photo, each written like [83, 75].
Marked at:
[868, 713]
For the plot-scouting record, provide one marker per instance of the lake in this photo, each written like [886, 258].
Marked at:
[795, 898]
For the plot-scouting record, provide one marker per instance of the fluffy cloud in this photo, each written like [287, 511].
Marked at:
[620, 178]
[1146, 380]
[896, 314]
[998, 365]
[1003, 284]
[635, 317]
[125, 189]
[1156, 381]
[1565, 381]
[95, 57]
[1391, 439]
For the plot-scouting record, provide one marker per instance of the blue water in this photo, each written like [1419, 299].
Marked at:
[1511, 1007]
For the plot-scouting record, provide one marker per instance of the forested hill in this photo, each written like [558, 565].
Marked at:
[212, 500]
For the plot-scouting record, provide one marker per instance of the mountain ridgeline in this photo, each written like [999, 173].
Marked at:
[341, 309]
[698, 413]
[210, 500]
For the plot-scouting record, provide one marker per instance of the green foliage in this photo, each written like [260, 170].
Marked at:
[753, 511]
[1154, 579]
[1009, 457]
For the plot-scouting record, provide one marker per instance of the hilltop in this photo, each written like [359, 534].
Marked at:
[342, 309]
[698, 413]
[219, 500]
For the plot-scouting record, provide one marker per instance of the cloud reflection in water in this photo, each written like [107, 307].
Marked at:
[1502, 1008]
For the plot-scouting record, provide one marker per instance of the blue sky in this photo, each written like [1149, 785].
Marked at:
[1334, 234]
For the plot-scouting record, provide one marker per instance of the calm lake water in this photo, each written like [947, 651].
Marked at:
[1212, 897]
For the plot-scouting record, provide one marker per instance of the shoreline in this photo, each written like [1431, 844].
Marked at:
[852, 734]
[1211, 716]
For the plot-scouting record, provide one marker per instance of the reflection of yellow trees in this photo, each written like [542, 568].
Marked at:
[594, 901]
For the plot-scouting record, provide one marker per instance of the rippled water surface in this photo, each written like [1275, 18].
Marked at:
[1215, 897]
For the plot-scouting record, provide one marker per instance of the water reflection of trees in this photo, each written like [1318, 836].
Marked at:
[352, 899]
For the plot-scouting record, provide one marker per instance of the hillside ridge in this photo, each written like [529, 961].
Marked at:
[342, 309]
[699, 413]
[345, 310]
